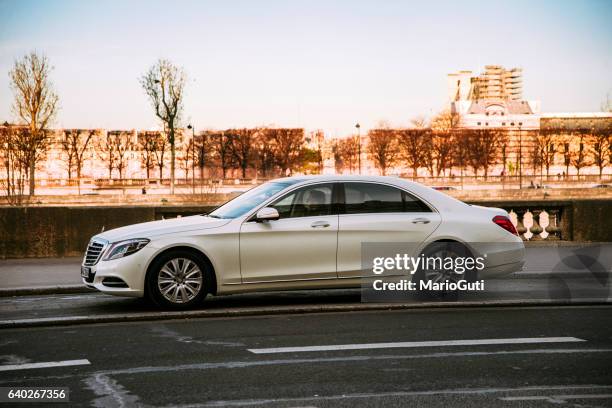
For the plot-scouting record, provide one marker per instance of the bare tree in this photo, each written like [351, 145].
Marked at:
[601, 147]
[124, 145]
[164, 83]
[13, 158]
[106, 152]
[446, 141]
[315, 138]
[442, 146]
[242, 147]
[147, 143]
[483, 149]
[545, 145]
[221, 146]
[414, 145]
[159, 153]
[579, 156]
[35, 103]
[288, 145]
[74, 143]
[186, 157]
[567, 155]
[346, 154]
[203, 150]
[461, 150]
[264, 153]
[382, 148]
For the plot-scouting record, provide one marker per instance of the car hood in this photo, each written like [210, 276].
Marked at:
[162, 227]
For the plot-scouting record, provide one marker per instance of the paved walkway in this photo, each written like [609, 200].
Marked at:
[39, 272]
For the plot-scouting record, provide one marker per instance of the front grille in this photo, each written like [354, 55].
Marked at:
[93, 253]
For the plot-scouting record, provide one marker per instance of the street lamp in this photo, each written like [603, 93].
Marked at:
[358, 127]
[520, 166]
[192, 157]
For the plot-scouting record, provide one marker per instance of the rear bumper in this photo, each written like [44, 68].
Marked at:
[501, 258]
[501, 270]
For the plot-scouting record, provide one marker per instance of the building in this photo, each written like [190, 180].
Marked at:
[495, 82]
[492, 99]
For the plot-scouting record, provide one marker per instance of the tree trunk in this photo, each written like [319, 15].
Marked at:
[79, 178]
[32, 176]
[172, 159]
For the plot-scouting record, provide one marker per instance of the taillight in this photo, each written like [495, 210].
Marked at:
[505, 223]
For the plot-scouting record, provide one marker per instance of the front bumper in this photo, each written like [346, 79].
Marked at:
[131, 270]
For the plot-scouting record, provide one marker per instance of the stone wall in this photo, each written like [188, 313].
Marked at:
[64, 231]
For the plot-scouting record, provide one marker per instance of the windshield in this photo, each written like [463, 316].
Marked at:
[249, 200]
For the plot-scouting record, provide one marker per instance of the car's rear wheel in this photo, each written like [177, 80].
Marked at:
[178, 279]
[442, 250]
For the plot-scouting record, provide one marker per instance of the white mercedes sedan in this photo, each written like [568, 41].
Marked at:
[292, 233]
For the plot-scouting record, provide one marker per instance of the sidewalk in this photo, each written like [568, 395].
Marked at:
[40, 276]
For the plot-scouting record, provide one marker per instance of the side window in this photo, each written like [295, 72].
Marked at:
[364, 198]
[309, 201]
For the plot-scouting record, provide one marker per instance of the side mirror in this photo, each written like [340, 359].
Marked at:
[267, 214]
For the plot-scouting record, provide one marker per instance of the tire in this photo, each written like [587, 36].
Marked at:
[178, 279]
[442, 249]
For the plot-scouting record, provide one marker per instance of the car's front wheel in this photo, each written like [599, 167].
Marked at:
[178, 279]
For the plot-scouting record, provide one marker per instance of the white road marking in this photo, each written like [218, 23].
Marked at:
[413, 344]
[27, 366]
[559, 399]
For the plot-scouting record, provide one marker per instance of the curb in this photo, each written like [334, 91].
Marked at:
[45, 290]
[275, 310]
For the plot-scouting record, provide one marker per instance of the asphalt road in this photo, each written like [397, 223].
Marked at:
[544, 356]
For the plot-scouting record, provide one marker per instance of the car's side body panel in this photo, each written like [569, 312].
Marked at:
[289, 249]
[357, 229]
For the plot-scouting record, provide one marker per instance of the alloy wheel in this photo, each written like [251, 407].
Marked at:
[180, 280]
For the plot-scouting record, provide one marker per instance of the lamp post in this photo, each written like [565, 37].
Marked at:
[520, 166]
[358, 127]
[192, 157]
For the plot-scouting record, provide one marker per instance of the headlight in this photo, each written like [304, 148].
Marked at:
[125, 248]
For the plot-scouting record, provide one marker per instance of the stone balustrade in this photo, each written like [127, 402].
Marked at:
[536, 224]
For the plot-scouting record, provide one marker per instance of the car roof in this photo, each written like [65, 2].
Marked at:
[335, 177]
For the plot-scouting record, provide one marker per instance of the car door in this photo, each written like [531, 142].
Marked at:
[379, 213]
[300, 245]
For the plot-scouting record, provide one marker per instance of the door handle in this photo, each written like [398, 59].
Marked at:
[421, 221]
[320, 224]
